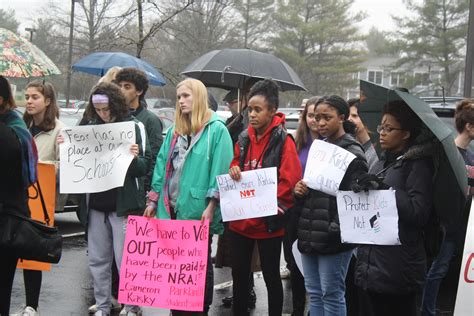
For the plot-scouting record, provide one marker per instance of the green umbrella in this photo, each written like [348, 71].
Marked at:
[451, 177]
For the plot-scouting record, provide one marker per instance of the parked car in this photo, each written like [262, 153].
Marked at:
[73, 104]
[156, 103]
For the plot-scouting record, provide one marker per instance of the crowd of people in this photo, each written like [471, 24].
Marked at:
[175, 179]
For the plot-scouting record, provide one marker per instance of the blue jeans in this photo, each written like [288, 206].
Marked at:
[438, 270]
[325, 277]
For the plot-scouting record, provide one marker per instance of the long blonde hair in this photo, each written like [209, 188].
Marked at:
[186, 124]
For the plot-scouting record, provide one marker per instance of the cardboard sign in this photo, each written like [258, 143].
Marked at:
[164, 263]
[326, 166]
[95, 158]
[255, 195]
[464, 302]
[47, 180]
[368, 217]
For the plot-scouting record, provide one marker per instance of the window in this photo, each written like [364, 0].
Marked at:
[375, 76]
[422, 79]
[397, 79]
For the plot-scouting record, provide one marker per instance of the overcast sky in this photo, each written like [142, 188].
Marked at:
[378, 11]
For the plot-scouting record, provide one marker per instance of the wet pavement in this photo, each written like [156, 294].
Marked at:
[67, 288]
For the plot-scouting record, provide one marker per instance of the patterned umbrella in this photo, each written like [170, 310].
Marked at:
[20, 58]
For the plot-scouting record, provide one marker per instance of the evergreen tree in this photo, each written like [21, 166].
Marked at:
[255, 20]
[319, 39]
[436, 35]
[8, 20]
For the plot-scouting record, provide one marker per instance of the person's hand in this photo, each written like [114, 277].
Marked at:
[134, 150]
[60, 139]
[150, 211]
[301, 189]
[234, 173]
[366, 182]
[207, 214]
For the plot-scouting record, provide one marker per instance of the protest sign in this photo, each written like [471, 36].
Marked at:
[464, 302]
[368, 217]
[297, 256]
[95, 158]
[47, 180]
[255, 195]
[326, 166]
[164, 263]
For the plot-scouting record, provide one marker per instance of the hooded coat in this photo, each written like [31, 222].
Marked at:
[318, 225]
[289, 173]
[401, 269]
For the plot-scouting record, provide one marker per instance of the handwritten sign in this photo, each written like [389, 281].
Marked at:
[464, 303]
[326, 166]
[368, 218]
[95, 158]
[164, 263]
[255, 195]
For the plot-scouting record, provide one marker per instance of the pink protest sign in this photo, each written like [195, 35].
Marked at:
[164, 263]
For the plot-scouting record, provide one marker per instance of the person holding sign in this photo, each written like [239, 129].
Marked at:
[18, 161]
[390, 276]
[41, 116]
[104, 213]
[196, 150]
[325, 258]
[264, 144]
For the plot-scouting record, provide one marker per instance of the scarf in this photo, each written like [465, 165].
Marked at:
[29, 154]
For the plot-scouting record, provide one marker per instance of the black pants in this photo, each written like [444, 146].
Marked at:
[7, 273]
[298, 290]
[32, 279]
[269, 251]
[389, 304]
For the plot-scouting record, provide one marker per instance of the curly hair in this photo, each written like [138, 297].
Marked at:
[117, 104]
[302, 132]
[464, 114]
[404, 115]
[268, 89]
[51, 113]
[135, 76]
[7, 95]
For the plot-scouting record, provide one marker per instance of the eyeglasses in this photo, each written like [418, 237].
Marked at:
[387, 129]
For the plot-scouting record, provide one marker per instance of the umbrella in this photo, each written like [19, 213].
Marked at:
[20, 58]
[229, 68]
[99, 63]
[451, 179]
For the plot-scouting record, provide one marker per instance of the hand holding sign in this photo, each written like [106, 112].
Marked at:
[326, 166]
[255, 195]
[96, 158]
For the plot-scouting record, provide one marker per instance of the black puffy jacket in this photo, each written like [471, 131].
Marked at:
[318, 224]
[401, 269]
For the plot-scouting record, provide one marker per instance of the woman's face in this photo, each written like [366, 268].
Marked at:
[103, 111]
[311, 119]
[355, 118]
[329, 121]
[392, 137]
[260, 113]
[36, 103]
[184, 96]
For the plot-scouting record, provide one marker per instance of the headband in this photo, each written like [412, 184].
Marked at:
[100, 98]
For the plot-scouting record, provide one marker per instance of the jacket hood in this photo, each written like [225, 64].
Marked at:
[278, 119]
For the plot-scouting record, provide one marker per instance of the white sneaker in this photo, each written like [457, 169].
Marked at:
[116, 306]
[30, 311]
[284, 273]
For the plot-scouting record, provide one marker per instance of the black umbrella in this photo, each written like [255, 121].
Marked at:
[450, 181]
[230, 68]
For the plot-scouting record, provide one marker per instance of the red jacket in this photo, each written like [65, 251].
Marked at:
[290, 174]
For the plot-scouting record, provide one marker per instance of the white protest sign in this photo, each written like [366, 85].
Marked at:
[95, 158]
[368, 217]
[297, 256]
[326, 166]
[255, 195]
[464, 302]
